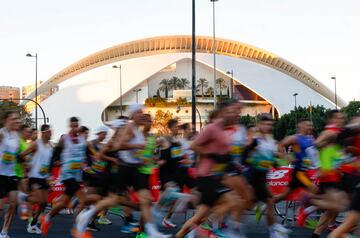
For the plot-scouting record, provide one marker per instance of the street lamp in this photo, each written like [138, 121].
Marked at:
[214, 51]
[334, 78]
[232, 83]
[193, 70]
[137, 90]
[36, 86]
[295, 94]
[121, 104]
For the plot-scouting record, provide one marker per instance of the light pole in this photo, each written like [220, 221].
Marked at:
[121, 104]
[193, 70]
[137, 90]
[214, 51]
[295, 94]
[334, 78]
[36, 86]
[231, 83]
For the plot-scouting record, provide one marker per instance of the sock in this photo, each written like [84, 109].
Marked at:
[91, 212]
[150, 229]
[315, 236]
[310, 210]
[263, 208]
[22, 197]
[3, 232]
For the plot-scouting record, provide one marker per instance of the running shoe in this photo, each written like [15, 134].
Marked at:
[24, 212]
[141, 235]
[168, 224]
[259, 212]
[206, 226]
[45, 225]
[217, 233]
[301, 218]
[92, 227]
[275, 234]
[4, 236]
[33, 229]
[129, 229]
[281, 229]
[103, 220]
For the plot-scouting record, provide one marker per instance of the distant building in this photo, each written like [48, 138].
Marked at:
[9, 92]
[27, 90]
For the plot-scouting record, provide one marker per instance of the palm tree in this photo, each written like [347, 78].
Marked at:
[221, 84]
[210, 91]
[175, 83]
[202, 83]
[165, 86]
[184, 83]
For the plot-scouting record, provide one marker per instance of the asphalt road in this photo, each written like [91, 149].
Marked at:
[63, 223]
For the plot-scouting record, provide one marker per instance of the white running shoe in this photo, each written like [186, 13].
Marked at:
[281, 229]
[81, 222]
[33, 229]
[168, 224]
[4, 236]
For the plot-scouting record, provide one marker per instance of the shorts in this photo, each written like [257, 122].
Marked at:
[181, 178]
[323, 186]
[349, 182]
[257, 180]
[300, 180]
[71, 187]
[91, 180]
[38, 183]
[8, 184]
[129, 177]
[355, 201]
[211, 189]
[232, 170]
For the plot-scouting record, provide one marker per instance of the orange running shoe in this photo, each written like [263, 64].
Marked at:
[45, 225]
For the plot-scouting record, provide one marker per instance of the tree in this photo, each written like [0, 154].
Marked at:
[160, 121]
[175, 83]
[165, 86]
[352, 109]
[158, 93]
[202, 83]
[5, 106]
[210, 91]
[221, 84]
[184, 83]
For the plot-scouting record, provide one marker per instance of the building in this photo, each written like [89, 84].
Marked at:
[90, 87]
[27, 90]
[9, 92]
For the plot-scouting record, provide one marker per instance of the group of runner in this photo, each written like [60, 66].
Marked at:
[231, 163]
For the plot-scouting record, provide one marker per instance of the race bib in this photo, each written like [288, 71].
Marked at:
[265, 164]
[8, 157]
[176, 152]
[219, 168]
[98, 166]
[236, 150]
[75, 165]
[44, 170]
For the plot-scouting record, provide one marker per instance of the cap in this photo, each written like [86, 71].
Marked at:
[101, 129]
[117, 123]
[135, 108]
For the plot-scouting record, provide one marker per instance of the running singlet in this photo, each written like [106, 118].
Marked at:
[40, 162]
[305, 152]
[172, 155]
[238, 144]
[263, 158]
[72, 158]
[96, 167]
[19, 167]
[130, 157]
[189, 154]
[9, 148]
[147, 156]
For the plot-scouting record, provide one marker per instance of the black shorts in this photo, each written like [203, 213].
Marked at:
[299, 181]
[355, 200]
[257, 180]
[71, 187]
[92, 180]
[323, 186]
[210, 189]
[38, 183]
[8, 184]
[349, 182]
[180, 177]
[130, 177]
[232, 170]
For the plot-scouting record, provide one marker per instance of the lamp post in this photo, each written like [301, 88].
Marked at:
[334, 78]
[137, 90]
[214, 51]
[193, 71]
[121, 104]
[36, 86]
[295, 94]
[231, 83]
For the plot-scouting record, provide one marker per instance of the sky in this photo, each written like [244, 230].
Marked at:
[320, 36]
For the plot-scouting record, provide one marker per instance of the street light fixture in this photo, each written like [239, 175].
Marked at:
[231, 72]
[334, 78]
[137, 90]
[121, 104]
[36, 87]
[193, 70]
[214, 51]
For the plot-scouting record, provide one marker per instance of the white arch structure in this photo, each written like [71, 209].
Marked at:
[93, 83]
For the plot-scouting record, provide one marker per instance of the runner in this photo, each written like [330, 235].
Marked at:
[132, 141]
[260, 157]
[72, 149]
[9, 147]
[38, 175]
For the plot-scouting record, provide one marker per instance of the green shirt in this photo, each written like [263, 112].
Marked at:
[19, 168]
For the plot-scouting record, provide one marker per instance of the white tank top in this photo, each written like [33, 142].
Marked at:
[130, 156]
[9, 148]
[40, 162]
[72, 158]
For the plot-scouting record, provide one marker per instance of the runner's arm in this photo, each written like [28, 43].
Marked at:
[125, 139]
[31, 149]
